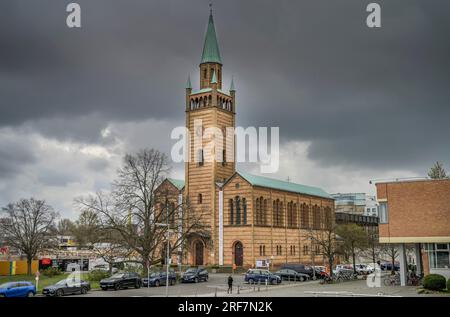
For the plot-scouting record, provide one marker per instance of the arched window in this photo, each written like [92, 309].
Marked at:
[264, 212]
[205, 73]
[316, 217]
[172, 212]
[238, 210]
[257, 212]
[231, 211]
[244, 210]
[200, 157]
[328, 219]
[278, 216]
[291, 215]
[305, 216]
[200, 199]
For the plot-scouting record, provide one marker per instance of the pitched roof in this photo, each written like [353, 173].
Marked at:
[188, 83]
[178, 183]
[211, 53]
[214, 78]
[285, 186]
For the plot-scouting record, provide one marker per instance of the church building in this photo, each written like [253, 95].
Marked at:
[249, 219]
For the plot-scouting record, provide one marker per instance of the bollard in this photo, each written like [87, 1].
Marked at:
[267, 288]
[259, 285]
[239, 288]
[215, 293]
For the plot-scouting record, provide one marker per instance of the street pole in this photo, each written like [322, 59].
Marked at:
[168, 250]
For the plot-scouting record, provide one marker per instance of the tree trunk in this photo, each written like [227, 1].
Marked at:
[330, 262]
[354, 261]
[393, 264]
[29, 263]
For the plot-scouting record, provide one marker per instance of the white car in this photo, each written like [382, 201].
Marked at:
[105, 267]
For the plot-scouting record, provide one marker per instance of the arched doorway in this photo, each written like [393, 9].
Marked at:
[198, 252]
[238, 254]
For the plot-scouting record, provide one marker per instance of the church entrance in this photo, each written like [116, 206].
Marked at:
[238, 254]
[198, 251]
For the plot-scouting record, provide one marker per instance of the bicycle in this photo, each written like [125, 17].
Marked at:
[392, 280]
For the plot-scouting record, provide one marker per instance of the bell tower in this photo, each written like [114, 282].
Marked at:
[214, 108]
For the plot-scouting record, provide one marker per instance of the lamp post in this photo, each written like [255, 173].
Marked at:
[168, 246]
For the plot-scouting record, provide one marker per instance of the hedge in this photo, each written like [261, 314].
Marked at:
[434, 282]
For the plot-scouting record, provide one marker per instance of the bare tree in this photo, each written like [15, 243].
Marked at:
[29, 227]
[65, 227]
[87, 229]
[390, 252]
[139, 213]
[325, 239]
[353, 239]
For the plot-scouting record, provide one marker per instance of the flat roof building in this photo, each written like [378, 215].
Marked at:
[417, 212]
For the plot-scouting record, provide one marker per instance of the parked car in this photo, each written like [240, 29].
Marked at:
[67, 287]
[105, 267]
[387, 266]
[159, 278]
[344, 268]
[291, 275]
[364, 269]
[17, 289]
[299, 268]
[121, 280]
[261, 276]
[195, 275]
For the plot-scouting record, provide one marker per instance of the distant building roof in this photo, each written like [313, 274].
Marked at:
[285, 186]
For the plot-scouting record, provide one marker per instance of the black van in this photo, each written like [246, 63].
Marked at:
[299, 268]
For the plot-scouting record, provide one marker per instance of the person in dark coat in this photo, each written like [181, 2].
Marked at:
[230, 285]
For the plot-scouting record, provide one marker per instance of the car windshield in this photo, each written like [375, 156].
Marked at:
[6, 285]
[191, 270]
[62, 282]
[154, 274]
[120, 275]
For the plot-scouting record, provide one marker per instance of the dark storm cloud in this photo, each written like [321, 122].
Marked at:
[363, 97]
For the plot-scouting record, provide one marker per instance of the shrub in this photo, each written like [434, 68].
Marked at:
[97, 275]
[51, 271]
[434, 282]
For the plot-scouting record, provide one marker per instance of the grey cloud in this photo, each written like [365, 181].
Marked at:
[364, 98]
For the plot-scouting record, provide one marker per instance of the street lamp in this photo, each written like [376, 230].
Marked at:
[168, 247]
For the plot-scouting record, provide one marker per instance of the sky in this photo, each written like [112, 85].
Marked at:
[352, 103]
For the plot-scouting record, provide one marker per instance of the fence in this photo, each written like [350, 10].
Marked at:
[17, 267]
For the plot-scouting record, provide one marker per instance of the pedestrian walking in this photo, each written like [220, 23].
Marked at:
[230, 285]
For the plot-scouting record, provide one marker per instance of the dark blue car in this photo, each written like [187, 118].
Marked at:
[159, 278]
[261, 276]
[17, 289]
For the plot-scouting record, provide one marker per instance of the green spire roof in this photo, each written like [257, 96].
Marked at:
[214, 78]
[232, 84]
[211, 52]
[188, 84]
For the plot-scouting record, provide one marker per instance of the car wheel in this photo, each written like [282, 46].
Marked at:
[302, 278]
[116, 287]
[272, 282]
[206, 279]
[104, 288]
[157, 283]
[29, 294]
[251, 281]
[196, 280]
[83, 291]
[137, 285]
[172, 282]
[59, 293]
